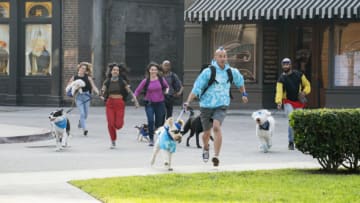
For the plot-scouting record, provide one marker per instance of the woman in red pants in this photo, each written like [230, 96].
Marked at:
[114, 92]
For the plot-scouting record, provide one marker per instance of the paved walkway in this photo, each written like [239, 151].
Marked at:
[34, 172]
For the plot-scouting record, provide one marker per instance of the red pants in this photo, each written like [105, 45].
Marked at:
[115, 109]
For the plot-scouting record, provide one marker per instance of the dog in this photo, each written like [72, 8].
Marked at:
[194, 125]
[167, 136]
[265, 128]
[60, 128]
[143, 133]
[75, 87]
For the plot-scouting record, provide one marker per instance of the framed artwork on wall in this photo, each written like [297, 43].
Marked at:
[38, 49]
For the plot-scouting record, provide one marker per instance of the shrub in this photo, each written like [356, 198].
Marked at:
[332, 136]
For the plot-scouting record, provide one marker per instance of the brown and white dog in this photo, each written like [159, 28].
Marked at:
[265, 128]
[167, 136]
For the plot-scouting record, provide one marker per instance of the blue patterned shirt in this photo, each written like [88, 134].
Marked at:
[218, 93]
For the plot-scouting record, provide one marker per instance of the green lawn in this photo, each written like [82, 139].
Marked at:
[250, 186]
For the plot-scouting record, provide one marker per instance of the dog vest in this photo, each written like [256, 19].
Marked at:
[61, 124]
[265, 126]
[166, 142]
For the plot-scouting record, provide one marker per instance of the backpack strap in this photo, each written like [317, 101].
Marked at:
[230, 76]
[230, 80]
[211, 80]
[161, 80]
[213, 76]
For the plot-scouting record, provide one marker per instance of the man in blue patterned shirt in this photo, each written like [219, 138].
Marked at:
[215, 99]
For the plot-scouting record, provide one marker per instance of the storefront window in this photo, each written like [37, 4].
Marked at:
[38, 9]
[239, 40]
[347, 54]
[4, 49]
[38, 49]
[4, 10]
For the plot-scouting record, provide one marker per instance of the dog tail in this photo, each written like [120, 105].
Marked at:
[187, 127]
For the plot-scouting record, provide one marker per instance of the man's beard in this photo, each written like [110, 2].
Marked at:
[286, 70]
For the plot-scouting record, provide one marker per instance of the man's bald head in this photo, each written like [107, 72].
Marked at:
[221, 56]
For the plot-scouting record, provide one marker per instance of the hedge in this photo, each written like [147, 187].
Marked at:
[332, 136]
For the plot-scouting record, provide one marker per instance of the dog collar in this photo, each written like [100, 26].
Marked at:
[265, 126]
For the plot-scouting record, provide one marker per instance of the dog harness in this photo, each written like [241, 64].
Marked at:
[265, 126]
[166, 141]
[61, 124]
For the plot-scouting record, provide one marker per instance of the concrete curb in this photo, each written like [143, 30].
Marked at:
[26, 138]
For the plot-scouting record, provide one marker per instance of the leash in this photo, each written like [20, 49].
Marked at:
[181, 113]
[73, 103]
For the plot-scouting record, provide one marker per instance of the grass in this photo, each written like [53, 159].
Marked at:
[250, 186]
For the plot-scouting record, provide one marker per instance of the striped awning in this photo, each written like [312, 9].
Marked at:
[204, 10]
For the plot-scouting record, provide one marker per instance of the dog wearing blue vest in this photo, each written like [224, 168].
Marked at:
[265, 127]
[60, 128]
[167, 136]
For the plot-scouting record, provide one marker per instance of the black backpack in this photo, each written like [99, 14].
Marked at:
[122, 82]
[212, 79]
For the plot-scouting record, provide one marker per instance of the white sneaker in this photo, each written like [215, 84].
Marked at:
[113, 145]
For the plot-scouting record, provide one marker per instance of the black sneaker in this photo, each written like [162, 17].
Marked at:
[85, 132]
[291, 146]
[215, 161]
[205, 155]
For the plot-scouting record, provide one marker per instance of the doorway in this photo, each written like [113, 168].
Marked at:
[305, 53]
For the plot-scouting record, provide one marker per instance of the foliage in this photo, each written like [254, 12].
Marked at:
[332, 136]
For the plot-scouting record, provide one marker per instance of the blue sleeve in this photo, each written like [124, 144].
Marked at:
[201, 82]
[238, 79]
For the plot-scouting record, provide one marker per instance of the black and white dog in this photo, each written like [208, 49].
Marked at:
[265, 127]
[60, 128]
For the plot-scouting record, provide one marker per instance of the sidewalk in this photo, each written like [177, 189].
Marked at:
[33, 171]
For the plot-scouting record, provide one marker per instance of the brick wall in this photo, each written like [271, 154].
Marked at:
[70, 42]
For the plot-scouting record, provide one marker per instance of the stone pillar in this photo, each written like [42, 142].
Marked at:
[193, 52]
[98, 49]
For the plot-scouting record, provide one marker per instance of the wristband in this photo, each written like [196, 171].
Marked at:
[244, 94]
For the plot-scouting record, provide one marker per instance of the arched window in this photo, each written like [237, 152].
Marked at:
[38, 9]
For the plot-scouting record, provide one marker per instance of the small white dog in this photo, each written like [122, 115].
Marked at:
[74, 87]
[167, 136]
[265, 127]
[60, 128]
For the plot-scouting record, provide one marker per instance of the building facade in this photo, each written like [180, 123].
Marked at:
[42, 41]
[320, 37]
